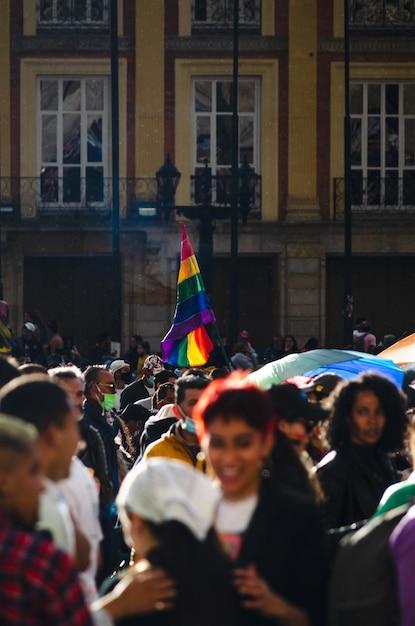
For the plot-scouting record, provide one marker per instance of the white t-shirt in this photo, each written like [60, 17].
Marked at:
[232, 520]
[54, 516]
[81, 495]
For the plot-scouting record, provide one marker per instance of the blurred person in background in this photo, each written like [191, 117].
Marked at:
[367, 424]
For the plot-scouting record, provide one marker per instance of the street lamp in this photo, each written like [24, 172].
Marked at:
[168, 177]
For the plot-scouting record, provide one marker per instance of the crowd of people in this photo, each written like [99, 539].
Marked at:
[135, 493]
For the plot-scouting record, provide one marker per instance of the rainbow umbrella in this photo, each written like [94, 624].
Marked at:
[402, 352]
[344, 363]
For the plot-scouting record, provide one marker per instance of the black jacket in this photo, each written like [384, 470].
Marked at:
[153, 430]
[353, 480]
[136, 391]
[285, 540]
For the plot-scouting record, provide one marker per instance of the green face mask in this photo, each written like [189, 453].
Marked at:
[109, 402]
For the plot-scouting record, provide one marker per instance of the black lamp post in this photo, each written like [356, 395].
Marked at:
[168, 177]
[348, 276]
[116, 257]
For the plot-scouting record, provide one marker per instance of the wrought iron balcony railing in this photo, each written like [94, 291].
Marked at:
[63, 14]
[382, 14]
[218, 14]
[31, 197]
[214, 192]
[371, 196]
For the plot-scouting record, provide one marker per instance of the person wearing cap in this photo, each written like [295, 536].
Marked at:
[296, 418]
[28, 347]
[167, 511]
[120, 369]
[180, 441]
[273, 535]
[143, 387]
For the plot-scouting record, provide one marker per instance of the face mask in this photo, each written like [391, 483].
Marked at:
[150, 381]
[190, 425]
[109, 401]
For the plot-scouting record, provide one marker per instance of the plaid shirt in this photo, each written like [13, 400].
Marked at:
[38, 583]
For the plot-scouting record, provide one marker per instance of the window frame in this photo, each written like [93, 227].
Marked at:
[72, 23]
[84, 163]
[225, 23]
[383, 168]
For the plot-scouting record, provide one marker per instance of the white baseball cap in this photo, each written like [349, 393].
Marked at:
[161, 490]
[117, 365]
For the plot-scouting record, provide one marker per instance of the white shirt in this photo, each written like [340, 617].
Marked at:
[81, 495]
[54, 516]
[232, 520]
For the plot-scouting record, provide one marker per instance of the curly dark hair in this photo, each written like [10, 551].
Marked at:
[392, 401]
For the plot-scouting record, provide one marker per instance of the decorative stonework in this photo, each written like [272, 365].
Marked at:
[369, 44]
[221, 43]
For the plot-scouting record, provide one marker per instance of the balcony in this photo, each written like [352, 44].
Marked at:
[381, 15]
[34, 197]
[217, 15]
[377, 196]
[73, 14]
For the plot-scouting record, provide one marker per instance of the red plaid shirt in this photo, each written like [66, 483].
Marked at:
[38, 583]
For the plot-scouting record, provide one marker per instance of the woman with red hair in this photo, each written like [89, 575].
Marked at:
[274, 536]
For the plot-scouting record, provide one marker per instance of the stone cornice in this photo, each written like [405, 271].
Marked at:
[68, 42]
[370, 44]
[223, 43]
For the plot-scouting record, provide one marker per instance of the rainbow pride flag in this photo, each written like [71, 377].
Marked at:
[187, 344]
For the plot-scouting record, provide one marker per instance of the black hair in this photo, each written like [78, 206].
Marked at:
[163, 390]
[202, 574]
[91, 375]
[36, 400]
[163, 377]
[8, 371]
[219, 372]
[391, 400]
[294, 340]
[135, 413]
[190, 381]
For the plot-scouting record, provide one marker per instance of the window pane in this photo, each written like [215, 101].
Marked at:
[224, 97]
[200, 10]
[94, 184]
[392, 187]
[49, 138]
[356, 98]
[246, 96]
[356, 141]
[356, 184]
[246, 139]
[373, 187]
[46, 10]
[409, 99]
[203, 139]
[392, 99]
[373, 99]
[203, 95]
[409, 187]
[223, 139]
[71, 184]
[94, 138]
[79, 10]
[410, 142]
[97, 10]
[95, 95]
[392, 142]
[373, 142]
[49, 95]
[49, 184]
[71, 138]
[71, 95]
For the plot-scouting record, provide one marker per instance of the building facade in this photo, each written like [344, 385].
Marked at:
[175, 68]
